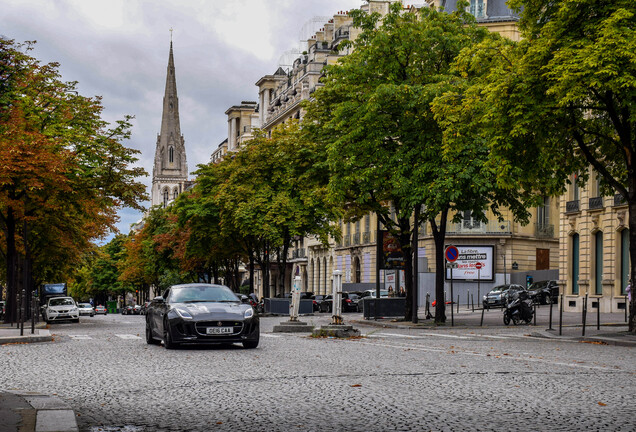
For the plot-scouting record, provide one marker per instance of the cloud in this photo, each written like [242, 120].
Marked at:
[119, 49]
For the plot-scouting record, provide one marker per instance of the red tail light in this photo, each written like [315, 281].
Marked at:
[348, 300]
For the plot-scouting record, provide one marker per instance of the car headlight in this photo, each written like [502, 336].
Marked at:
[249, 313]
[52, 311]
[73, 309]
[183, 313]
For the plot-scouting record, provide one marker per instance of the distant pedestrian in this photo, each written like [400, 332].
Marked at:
[628, 291]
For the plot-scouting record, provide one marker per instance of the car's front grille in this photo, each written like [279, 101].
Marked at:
[201, 327]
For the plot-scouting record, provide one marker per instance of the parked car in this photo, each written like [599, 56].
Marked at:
[317, 300]
[144, 308]
[136, 310]
[201, 314]
[347, 305]
[544, 292]
[86, 309]
[60, 309]
[100, 309]
[127, 310]
[2, 306]
[372, 293]
[498, 295]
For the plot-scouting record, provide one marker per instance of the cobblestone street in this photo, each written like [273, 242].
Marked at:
[390, 379]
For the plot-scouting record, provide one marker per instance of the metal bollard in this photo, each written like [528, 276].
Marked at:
[22, 311]
[584, 313]
[472, 300]
[336, 298]
[535, 314]
[598, 314]
[33, 312]
[551, 303]
[294, 307]
[481, 324]
[457, 303]
[561, 317]
[467, 300]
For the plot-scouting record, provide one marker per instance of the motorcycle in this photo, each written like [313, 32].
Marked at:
[518, 308]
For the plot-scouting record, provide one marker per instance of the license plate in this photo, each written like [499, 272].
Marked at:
[219, 330]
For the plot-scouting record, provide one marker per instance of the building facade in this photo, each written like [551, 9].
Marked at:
[517, 252]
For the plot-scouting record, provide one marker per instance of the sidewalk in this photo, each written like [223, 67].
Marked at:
[34, 412]
[28, 411]
[613, 330]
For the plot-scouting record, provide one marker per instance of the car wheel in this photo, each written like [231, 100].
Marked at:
[150, 340]
[251, 344]
[167, 337]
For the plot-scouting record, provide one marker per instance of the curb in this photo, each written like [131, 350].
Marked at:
[51, 413]
[42, 336]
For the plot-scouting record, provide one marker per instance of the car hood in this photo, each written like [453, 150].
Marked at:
[61, 307]
[214, 310]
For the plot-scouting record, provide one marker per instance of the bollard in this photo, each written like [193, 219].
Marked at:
[428, 306]
[22, 311]
[467, 300]
[457, 303]
[472, 300]
[598, 314]
[625, 308]
[535, 314]
[551, 303]
[294, 307]
[336, 298]
[561, 317]
[584, 313]
[481, 324]
[33, 312]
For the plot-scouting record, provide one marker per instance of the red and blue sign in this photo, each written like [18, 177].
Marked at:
[451, 253]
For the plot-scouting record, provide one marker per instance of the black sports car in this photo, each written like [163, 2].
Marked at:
[201, 314]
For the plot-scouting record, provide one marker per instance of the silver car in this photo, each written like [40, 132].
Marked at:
[60, 309]
[86, 309]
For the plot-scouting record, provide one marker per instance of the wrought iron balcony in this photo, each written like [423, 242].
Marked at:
[544, 230]
[572, 206]
[356, 238]
[346, 240]
[619, 200]
[595, 203]
[479, 228]
[366, 237]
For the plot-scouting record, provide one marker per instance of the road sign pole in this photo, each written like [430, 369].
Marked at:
[452, 315]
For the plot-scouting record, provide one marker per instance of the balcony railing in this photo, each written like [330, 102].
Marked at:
[479, 228]
[619, 200]
[366, 237]
[596, 203]
[572, 206]
[356, 238]
[544, 230]
[346, 240]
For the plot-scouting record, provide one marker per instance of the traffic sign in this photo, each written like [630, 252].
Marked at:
[451, 253]
[478, 266]
[452, 265]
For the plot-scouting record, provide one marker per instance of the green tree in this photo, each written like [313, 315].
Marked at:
[385, 145]
[563, 99]
[65, 172]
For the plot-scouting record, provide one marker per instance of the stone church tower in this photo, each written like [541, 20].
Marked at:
[170, 171]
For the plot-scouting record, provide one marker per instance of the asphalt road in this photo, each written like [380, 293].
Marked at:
[390, 379]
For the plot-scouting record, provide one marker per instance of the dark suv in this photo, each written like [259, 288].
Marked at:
[544, 292]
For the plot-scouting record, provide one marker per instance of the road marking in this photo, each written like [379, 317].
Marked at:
[491, 355]
[127, 336]
[418, 336]
[80, 337]
[270, 335]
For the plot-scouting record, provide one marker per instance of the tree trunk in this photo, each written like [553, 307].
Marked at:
[439, 235]
[11, 306]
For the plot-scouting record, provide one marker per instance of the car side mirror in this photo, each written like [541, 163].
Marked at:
[245, 300]
[159, 299]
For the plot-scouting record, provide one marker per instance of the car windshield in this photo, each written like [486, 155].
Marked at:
[202, 293]
[61, 302]
[499, 288]
[538, 285]
[84, 305]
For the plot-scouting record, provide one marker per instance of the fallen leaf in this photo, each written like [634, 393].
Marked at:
[219, 422]
[602, 404]
[356, 385]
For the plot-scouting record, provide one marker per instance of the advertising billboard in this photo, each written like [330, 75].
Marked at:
[467, 261]
[391, 251]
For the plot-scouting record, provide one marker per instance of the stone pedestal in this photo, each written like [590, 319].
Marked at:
[337, 330]
[293, 327]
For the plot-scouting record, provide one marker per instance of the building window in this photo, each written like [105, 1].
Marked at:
[477, 8]
[575, 188]
[165, 197]
[598, 263]
[575, 264]
[543, 212]
[171, 154]
[624, 260]
[175, 194]
[469, 222]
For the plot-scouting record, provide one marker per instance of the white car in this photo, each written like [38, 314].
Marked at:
[60, 309]
[86, 309]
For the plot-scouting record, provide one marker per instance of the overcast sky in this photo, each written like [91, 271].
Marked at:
[118, 49]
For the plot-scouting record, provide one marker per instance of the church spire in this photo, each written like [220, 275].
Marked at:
[170, 171]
